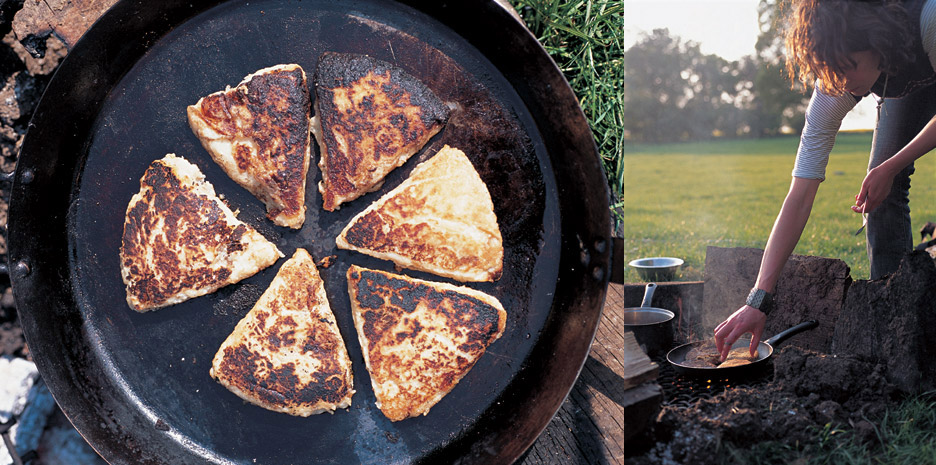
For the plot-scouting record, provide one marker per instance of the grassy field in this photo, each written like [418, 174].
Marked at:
[679, 199]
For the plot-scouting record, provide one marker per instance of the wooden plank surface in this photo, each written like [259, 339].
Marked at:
[615, 397]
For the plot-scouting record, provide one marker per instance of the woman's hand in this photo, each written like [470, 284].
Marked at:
[746, 320]
[874, 189]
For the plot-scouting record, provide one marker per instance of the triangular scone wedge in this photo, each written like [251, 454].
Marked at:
[439, 220]
[286, 354]
[419, 338]
[181, 241]
[259, 133]
[370, 117]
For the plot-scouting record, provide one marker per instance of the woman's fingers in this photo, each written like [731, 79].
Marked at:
[755, 340]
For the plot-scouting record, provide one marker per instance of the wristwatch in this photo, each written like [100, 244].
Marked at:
[761, 300]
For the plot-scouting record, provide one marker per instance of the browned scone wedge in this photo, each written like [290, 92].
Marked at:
[181, 241]
[419, 338]
[286, 354]
[370, 117]
[258, 132]
[440, 220]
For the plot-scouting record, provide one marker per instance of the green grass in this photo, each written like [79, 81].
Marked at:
[678, 199]
[586, 40]
[906, 435]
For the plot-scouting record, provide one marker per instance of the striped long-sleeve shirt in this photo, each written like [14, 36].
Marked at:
[825, 112]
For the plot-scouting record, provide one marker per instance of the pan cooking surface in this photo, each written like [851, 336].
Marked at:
[158, 362]
[678, 354]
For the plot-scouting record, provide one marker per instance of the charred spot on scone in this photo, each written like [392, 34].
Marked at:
[258, 132]
[374, 116]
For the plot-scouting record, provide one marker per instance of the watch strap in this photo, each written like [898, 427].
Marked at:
[761, 300]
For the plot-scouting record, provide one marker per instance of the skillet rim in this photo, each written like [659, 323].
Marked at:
[591, 273]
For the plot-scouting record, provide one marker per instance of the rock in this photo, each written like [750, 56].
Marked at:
[12, 341]
[809, 288]
[7, 301]
[32, 421]
[18, 378]
[40, 426]
[63, 444]
[892, 321]
[67, 19]
[55, 51]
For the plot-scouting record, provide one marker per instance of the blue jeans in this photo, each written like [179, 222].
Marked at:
[889, 232]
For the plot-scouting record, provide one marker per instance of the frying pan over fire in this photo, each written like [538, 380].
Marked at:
[136, 386]
[677, 356]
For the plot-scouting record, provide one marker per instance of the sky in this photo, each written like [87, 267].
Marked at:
[727, 28]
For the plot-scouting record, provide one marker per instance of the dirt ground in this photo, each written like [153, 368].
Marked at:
[23, 78]
[11, 335]
[807, 390]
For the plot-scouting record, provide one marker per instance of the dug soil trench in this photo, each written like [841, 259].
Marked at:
[877, 354]
[808, 390]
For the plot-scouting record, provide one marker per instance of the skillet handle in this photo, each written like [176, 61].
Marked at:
[784, 335]
[648, 295]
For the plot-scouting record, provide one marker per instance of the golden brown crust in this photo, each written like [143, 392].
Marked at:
[419, 338]
[736, 362]
[287, 354]
[180, 241]
[440, 220]
[259, 133]
[373, 117]
[705, 355]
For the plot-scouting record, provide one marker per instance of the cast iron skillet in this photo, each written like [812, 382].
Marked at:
[136, 386]
[677, 356]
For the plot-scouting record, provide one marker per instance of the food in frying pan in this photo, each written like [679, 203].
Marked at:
[734, 362]
[737, 356]
[706, 356]
[702, 356]
[181, 241]
[440, 220]
[259, 133]
[370, 117]
[419, 338]
[286, 354]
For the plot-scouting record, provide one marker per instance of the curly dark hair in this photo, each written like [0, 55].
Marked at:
[822, 33]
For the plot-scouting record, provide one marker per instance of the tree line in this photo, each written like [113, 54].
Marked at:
[674, 92]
